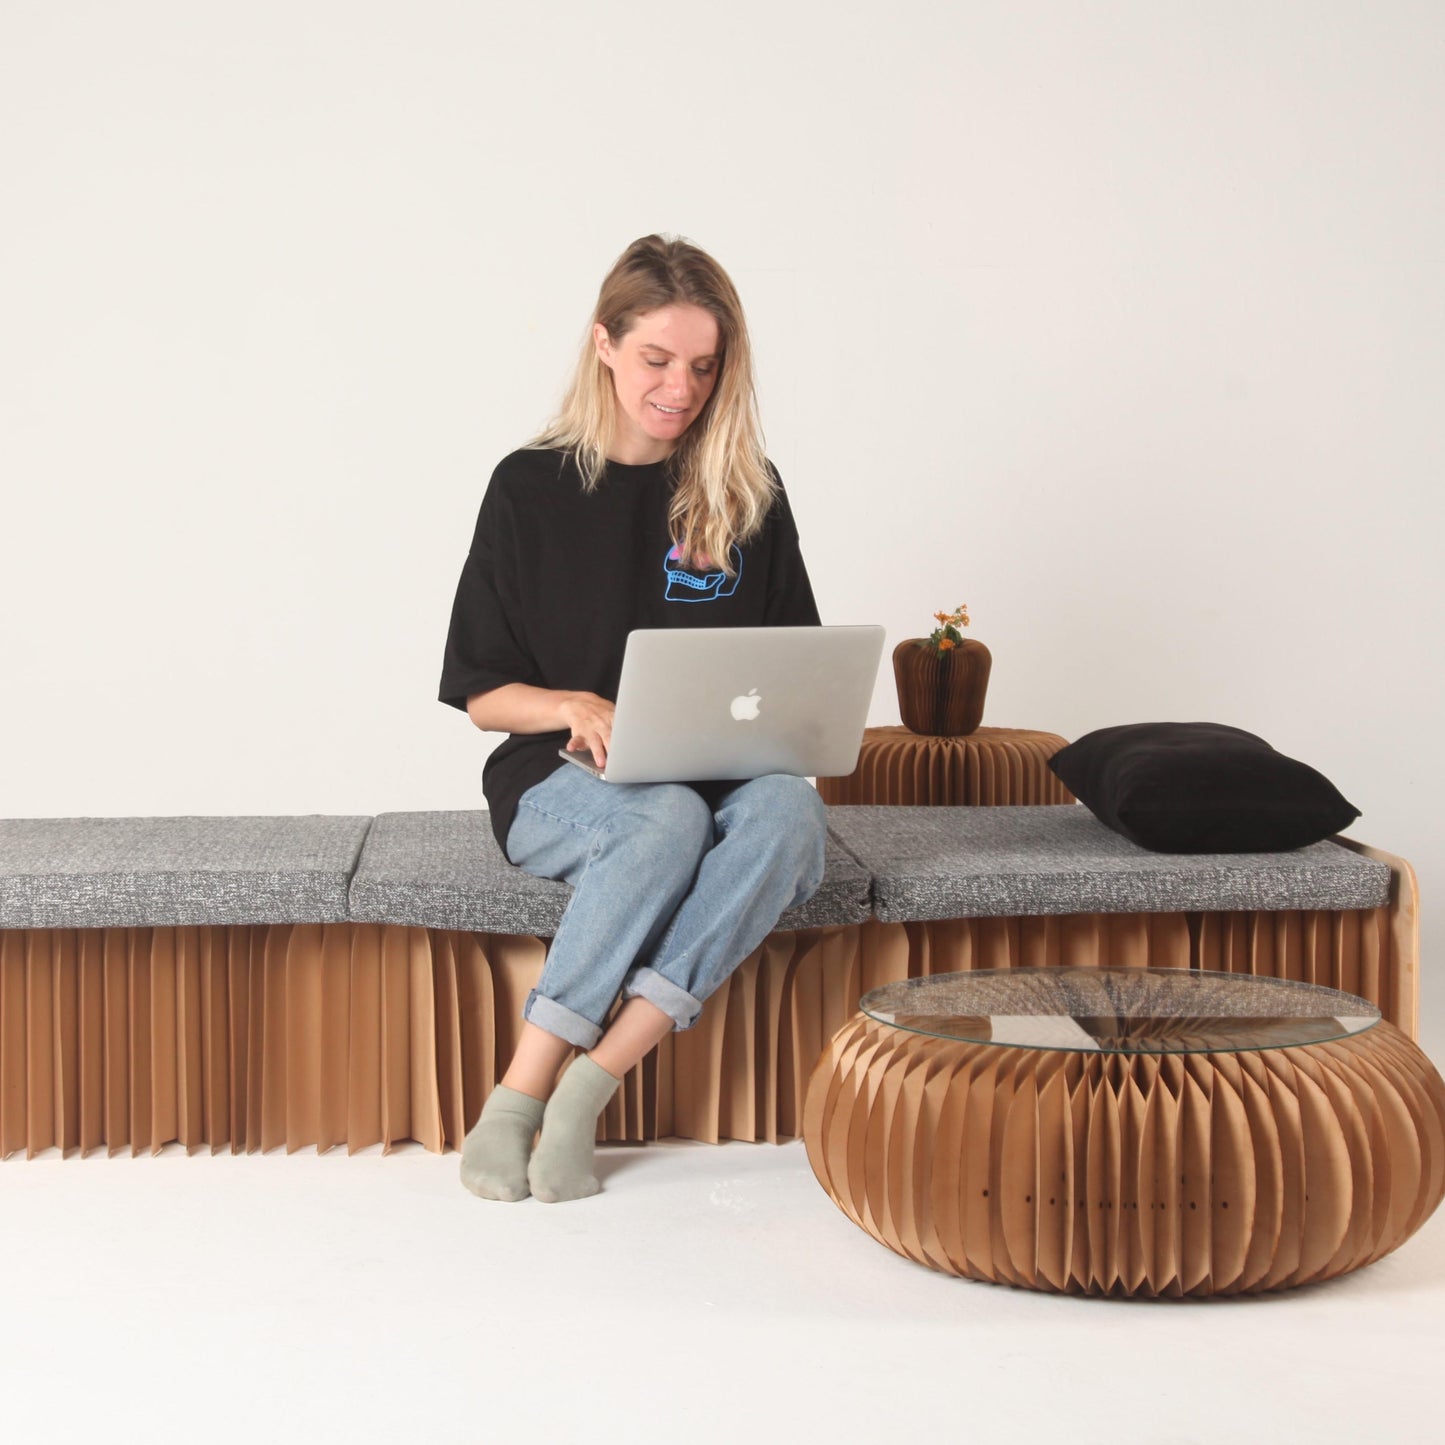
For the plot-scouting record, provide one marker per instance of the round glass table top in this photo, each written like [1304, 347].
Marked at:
[1120, 1010]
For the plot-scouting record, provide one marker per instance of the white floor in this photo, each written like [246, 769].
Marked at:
[709, 1293]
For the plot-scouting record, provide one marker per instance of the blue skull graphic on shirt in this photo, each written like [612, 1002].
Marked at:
[686, 584]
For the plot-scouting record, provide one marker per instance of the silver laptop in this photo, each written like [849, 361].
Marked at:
[701, 703]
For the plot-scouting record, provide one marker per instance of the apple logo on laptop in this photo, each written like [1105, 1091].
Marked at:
[745, 709]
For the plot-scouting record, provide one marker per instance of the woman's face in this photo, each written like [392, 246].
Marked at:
[663, 372]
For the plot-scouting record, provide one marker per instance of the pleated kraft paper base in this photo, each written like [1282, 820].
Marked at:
[991, 767]
[301, 1036]
[1120, 1174]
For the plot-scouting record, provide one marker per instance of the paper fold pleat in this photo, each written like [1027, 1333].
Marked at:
[320, 1035]
[1124, 1175]
[990, 767]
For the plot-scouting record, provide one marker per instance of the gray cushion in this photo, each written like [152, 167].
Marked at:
[445, 870]
[962, 862]
[155, 872]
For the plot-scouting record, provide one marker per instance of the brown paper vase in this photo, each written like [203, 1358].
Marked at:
[941, 693]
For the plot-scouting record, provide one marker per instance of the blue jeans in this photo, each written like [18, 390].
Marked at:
[669, 894]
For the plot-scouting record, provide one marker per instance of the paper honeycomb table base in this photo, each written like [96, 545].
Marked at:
[344, 1034]
[1129, 1175]
[990, 767]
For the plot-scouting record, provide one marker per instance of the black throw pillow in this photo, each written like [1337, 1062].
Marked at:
[1200, 788]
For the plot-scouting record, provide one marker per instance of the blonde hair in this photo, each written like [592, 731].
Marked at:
[723, 485]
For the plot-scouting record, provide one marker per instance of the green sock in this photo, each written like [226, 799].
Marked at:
[494, 1154]
[561, 1164]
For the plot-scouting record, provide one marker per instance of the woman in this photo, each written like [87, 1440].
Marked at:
[648, 502]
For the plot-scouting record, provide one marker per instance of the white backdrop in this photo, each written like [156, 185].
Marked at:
[1122, 322]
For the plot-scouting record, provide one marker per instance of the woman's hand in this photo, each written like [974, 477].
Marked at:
[590, 718]
[519, 708]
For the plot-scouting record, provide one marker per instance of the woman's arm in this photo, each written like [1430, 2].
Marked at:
[518, 707]
[790, 600]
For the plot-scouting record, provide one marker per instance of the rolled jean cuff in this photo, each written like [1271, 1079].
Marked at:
[677, 1003]
[558, 1019]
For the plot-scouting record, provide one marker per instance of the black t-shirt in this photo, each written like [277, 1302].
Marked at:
[556, 578]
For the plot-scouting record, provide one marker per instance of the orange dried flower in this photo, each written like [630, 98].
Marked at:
[947, 637]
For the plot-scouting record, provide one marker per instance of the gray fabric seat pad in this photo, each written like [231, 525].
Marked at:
[445, 870]
[155, 872]
[971, 862]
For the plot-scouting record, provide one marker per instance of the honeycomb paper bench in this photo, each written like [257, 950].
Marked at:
[321, 981]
